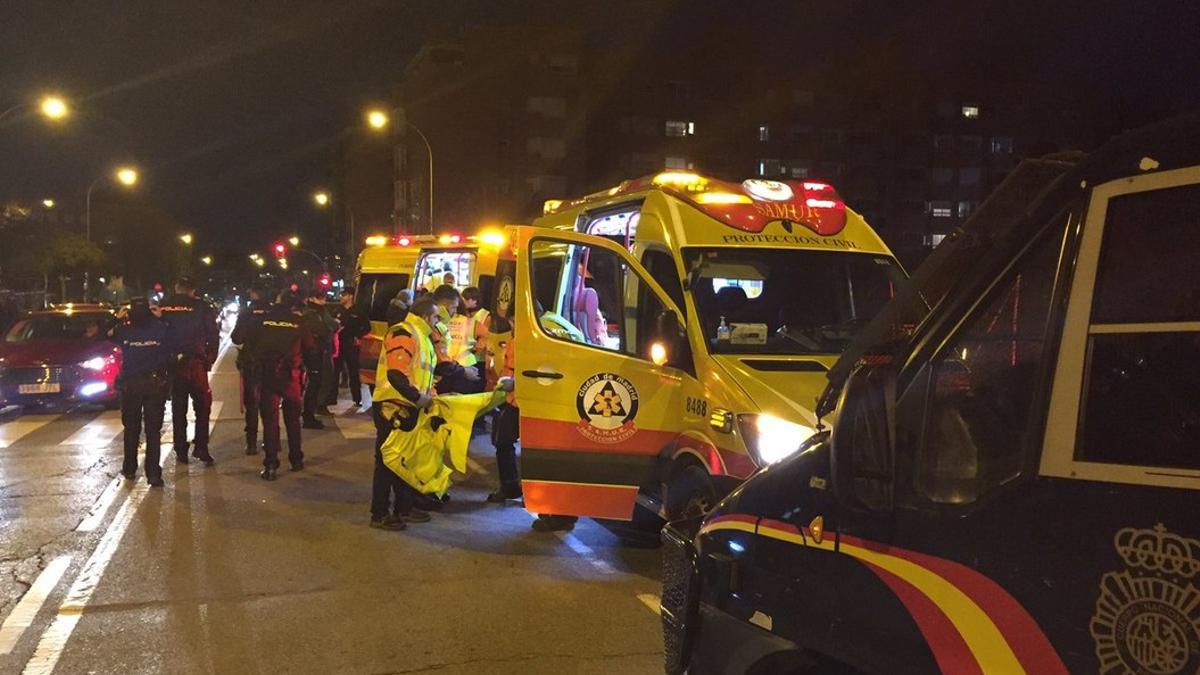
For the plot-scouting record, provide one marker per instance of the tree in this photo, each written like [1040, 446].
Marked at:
[58, 253]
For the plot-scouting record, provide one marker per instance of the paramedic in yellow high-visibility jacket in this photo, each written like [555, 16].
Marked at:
[403, 387]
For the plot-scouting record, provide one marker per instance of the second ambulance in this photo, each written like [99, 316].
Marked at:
[705, 315]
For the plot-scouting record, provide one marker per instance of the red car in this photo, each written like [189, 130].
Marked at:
[60, 355]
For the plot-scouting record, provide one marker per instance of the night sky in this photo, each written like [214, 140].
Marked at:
[231, 108]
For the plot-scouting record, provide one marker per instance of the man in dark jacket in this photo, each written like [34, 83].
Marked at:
[193, 337]
[318, 322]
[279, 344]
[353, 325]
[251, 373]
[144, 383]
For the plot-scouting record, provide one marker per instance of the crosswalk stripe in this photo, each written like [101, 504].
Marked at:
[100, 431]
[11, 432]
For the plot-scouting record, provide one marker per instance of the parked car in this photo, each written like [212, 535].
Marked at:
[60, 355]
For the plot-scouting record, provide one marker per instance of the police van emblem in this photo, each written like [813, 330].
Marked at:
[1147, 618]
[607, 404]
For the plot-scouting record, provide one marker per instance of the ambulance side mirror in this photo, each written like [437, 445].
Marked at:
[669, 341]
[863, 440]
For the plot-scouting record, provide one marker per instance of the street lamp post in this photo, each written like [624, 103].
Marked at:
[378, 120]
[125, 176]
[323, 199]
[53, 108]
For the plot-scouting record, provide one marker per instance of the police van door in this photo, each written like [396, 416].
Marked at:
[596, 410]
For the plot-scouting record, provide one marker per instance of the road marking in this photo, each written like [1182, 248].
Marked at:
[652, 601]
[586, 552]
[100, 508]
[27, 609]
[99, 432]
[475, 466]
[54, 640]
[11, 432]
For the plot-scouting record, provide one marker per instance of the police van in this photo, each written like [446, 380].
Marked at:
[1012, 482]
[703, 315]
[388, 265]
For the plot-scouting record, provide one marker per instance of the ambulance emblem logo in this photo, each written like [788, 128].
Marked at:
[1147, 619]
[607, 404]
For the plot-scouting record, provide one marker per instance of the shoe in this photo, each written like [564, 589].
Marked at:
[268, 474]
[312, 423]
[203, 457]
[154, 481]
[554, 524]
[426, 503]
[251, 448]
[388, 523]
[501, 496]
[298, 466]
[129, 475]
[414, 516]
[181, 458]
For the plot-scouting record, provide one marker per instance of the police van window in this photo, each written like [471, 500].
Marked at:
[971, 412]
[375, 292]
[1140, 404]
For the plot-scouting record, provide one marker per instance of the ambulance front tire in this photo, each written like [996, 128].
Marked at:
[689, 493]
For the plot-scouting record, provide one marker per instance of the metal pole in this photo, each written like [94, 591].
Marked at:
[87, 224]
[16, 107]
[429, 152]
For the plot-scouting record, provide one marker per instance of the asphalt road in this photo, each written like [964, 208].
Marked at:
[221, 572]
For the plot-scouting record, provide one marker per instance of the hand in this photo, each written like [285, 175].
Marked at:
[506, 384]
[122, 313]
[471, 374]
[425, 402]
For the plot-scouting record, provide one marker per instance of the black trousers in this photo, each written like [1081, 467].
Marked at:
[386, 486]
[142, 407]
[190, 381]
[314, 383]
[506, 430]
[281, 390]
[347, 362]
[251, 388]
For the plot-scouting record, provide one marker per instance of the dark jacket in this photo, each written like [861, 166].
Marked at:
[247, 321]
[279, 341]
[144, 350]
[192, 330]
[353, 321]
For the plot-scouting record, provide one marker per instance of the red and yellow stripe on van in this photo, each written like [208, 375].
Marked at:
[971, 624]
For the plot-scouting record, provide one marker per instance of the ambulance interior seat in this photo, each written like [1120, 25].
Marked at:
[731, 303]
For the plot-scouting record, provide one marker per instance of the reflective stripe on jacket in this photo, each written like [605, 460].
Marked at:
[409, 351]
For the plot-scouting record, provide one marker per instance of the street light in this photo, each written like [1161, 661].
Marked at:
[126, 177]
[53, 108]
[186, 238]
[48, 203]
[321, 198]
[294, 240]
[377, 119]
[207, 260]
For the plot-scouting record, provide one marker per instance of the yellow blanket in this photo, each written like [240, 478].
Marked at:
[419, 456]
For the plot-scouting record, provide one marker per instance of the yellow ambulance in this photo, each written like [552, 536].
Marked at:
[390, 264]
[709, 312]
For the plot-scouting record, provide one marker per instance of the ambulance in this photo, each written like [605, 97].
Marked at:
[388, 265]
[705, 314]
[1012, 480]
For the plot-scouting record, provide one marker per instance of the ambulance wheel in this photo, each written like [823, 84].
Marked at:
[689, 494]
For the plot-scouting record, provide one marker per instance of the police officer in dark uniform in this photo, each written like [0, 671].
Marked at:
[353, 325]
[193, 337]
[144, 383]
[278, 344]
[251, 373]
[318, 322]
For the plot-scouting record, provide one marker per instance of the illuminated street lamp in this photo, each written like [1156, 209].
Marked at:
[53, 108]
[377, 119]
[260, 262]
[294, 240]
[48, 203]
[186, 238]
[207, 260]
[127, 176]
[321, 198]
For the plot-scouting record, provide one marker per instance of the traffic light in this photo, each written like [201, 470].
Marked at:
[324, 281]
[280, 249]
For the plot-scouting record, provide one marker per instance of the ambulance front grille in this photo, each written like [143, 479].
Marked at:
[679, 599]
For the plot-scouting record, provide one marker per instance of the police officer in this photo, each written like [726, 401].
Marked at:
[318, 322]
[144, 383]
[353, 325]
[278, 344]
[192, 337]
[251, 374]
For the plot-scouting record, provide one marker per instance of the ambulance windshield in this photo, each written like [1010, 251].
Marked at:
[786, 301]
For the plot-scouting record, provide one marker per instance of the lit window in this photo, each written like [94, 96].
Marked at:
[764, 132]
[970, 112]
[932, 240]
[965, 208]
[678, 128]
[942, 210]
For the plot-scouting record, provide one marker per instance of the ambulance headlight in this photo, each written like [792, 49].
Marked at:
[771, 439]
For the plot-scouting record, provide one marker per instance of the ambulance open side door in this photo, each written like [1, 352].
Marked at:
[599, 365]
